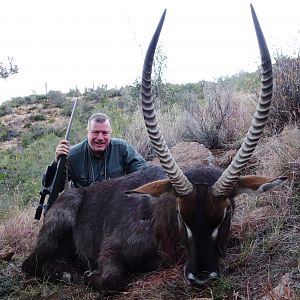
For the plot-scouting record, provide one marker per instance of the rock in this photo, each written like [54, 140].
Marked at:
[188, 154]
[283, 291]
[7, 253]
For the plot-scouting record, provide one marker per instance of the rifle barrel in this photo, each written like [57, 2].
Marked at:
[56, 184]
[71, 120]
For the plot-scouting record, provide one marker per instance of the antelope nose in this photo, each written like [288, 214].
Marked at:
[199, 281]
[213, 275]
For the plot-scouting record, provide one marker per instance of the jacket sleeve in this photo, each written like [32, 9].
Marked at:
[133, 160]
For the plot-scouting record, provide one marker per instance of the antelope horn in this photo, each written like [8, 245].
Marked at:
[179, 181]
[230, 176]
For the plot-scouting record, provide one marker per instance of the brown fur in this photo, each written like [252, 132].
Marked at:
[105, 233]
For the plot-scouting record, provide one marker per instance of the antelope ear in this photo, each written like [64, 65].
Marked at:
[257, 184]
[155, 188]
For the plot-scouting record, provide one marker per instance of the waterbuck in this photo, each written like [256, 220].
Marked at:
[156, 216]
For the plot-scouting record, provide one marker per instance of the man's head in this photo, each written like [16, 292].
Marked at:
[99, 132]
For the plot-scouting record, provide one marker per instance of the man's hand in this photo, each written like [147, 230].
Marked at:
[62, 148]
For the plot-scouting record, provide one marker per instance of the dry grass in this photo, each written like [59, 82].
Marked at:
[136, 133]
[264, 246]
[281, 153]
[266, 230]
[19, 231]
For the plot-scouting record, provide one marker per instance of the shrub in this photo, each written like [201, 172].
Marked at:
[73, 93]
[37, 132]
[183, 93]
[67, 108]
[6, 133]
[5, 109]
[101, 94]
[37, 118]
[56, 98]
[246, 82]
[222, 118]
[4, 136]
[119, 120]
[21, 181]
[286, 96]
[18, 101]
[136, 133]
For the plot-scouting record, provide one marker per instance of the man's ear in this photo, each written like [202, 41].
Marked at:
[155, 188]
[253, 184]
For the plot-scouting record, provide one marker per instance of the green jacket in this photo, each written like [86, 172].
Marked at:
[120, 158]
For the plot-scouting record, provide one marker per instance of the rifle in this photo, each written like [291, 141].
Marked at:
[53, 178]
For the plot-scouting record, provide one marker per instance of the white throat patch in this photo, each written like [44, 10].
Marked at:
[215, 233]
[180, 221]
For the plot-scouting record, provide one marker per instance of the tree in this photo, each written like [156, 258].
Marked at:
[7, 69]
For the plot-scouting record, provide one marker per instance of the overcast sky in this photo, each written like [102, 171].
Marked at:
[81, 43]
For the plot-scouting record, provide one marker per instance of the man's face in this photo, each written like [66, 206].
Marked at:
[99, 136]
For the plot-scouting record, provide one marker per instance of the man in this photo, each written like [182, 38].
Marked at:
[99, 157]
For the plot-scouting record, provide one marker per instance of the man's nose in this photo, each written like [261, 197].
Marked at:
[100, 136]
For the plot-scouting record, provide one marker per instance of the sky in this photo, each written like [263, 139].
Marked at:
[69, 44]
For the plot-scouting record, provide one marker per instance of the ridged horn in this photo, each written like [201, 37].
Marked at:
[179, 181]
[230, 176]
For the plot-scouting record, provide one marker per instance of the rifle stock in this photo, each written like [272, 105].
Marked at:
[56, 185]
[54, 188]
[39, 209]
[47, 182]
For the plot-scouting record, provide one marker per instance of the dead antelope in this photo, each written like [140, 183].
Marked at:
[146, 220]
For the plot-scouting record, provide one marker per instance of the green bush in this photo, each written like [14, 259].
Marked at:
[245, 82]
[5, 109]
[18, 101]
[6, 133]
[56, 98]
[73, 93]
[36, 118]
[37, 132]
[119, 119]
[20, 179]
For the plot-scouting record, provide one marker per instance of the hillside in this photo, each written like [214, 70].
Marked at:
[263, 259]
[22, 119]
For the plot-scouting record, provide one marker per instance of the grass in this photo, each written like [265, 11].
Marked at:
[264, 247]
[265, 232]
